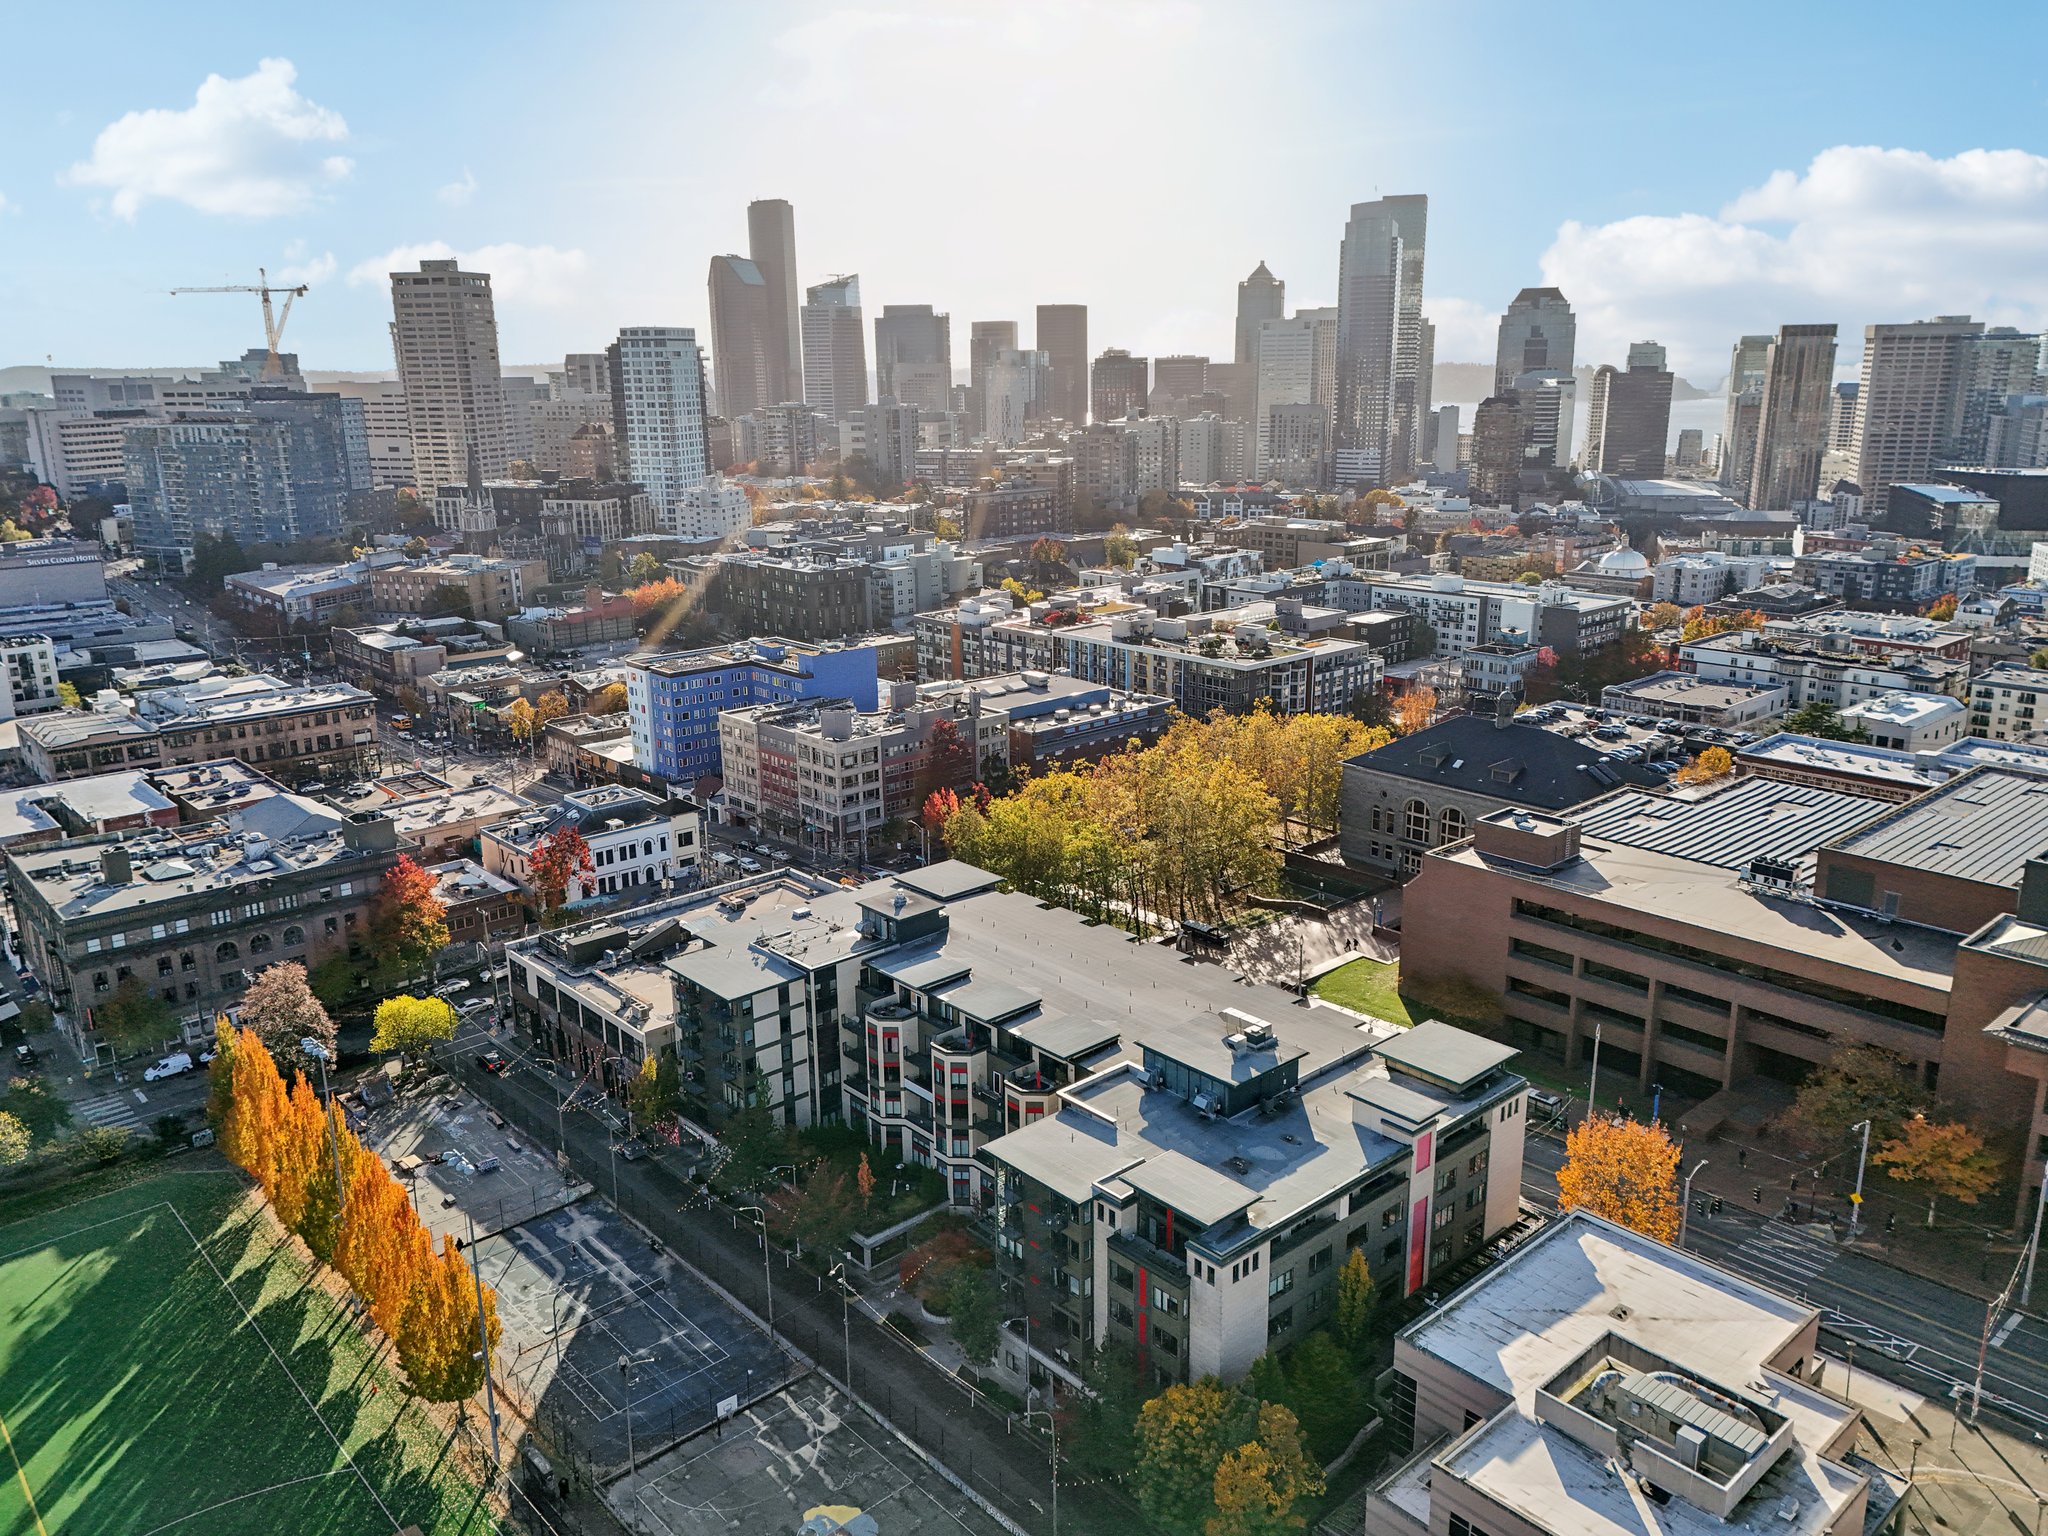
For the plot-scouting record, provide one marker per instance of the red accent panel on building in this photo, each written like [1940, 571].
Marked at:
[1423, 1146]
[1418, 1243]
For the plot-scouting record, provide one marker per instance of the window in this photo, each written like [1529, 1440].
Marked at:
[294, 935]
[1281, 1283]
[226, 951]
[1450, 825]
[1279, 1323]
[1416, 816]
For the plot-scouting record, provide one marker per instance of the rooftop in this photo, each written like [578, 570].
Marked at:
[1981, 826]
[1729, 823]
[1519, 763]
[1685, 688]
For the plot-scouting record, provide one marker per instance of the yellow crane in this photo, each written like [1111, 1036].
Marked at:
[273, 325]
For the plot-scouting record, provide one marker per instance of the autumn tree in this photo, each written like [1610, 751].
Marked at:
[1943, 607]
[1663, 616]
[549, 706]
[519, 720]
[864, 1181]
[1856, 1083]
[561, 859]
[651, 1092]
[1257, 1485]
[1414, 710]
[283, 1011]
[1353, 1321]
[948, 760]
[608, 700]
[409, 922]
[381, 1247]
[15, 1141]
[437, 1338]
[1624, 1170]
[1714, 763]
[408, 1025]
[1183, 1435]
[1942, 1158]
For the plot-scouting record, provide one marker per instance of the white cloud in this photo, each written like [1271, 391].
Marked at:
[311, 273]
[1863, 235]
[457, 194]
[538, 275]
[1465, 331]
[250, 147]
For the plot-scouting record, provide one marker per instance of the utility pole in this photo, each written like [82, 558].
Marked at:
[767, 1274]
[1593, 1082]
[483, 1353]
[845, 1318]
[1856, 1200]
[1053, 1423]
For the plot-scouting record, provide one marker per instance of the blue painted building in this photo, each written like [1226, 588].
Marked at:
[674, 700]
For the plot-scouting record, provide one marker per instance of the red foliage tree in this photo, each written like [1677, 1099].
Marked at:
[563, 856]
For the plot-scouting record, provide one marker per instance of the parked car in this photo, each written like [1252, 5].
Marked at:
[632, 1151]
[173, 1065]
[25, 1057]
[750, 866]
[451, 988]
[493, 1061]
[475, 1007]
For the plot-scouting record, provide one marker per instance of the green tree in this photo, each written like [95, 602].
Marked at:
[1353, 1322]
[446, 602]
[409, 1025]
[644, 568]
[1099, 1434]
[752, 1143]
[1819, 720]
[2039, 659]
[1119, 549]
[133, 1019]
[652, 1092]
[1856, 1083]
[972, 1310]
[214, 559]
[1323, 1392]
[1183, 1435]
[336, 980]
[97, 1145]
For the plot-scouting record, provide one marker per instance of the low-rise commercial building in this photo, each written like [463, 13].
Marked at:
[1695, 700]
[390, 657]
[1908, 722]
[640, 843]
[1836, 676]
[482, 908]
[279, 598]
[302, 730]
[472, 586]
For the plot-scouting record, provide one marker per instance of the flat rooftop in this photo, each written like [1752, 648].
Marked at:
[1687, 689]
[1730, 822]
[1981, 826]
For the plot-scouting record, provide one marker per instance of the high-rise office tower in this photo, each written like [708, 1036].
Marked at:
[444, 333]
[1379, 339]
[583, 373]
[1537, 332]
[1062, 335]
[771, 242]
[1744, 414]
[1445, 456]
[1014, 392]
[914, 356]
[835, 349]
[1548, 398]
[657, 391]
[1291, 355]
[1691, 448]
[746, 378]
[1842, 417]
[1260, 297]
[1121, 385]
[1792, 427]
[1911, 399]
[1630, 418]
[1425, 396]
[986, 341]
[1177, 380]
[2001, 363]
[1497, 446]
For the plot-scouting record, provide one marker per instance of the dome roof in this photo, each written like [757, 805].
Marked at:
[1624, 562]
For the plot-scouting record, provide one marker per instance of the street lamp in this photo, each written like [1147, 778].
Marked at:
[1685, 1200]
[320, 1053]
[1593, 1082]
[1856, 1200]
[845, 1317]
[767, 1274]
[1053, 1423]
[626, 1364]
[483, 1352]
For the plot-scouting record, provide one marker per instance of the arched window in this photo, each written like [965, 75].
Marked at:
[1450, 825]
[1416, 816]
[225, 951]
[647, 849]
[294, 935]
[259, 943]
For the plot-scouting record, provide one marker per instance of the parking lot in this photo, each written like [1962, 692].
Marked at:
[463, 1164]
[806, 1460]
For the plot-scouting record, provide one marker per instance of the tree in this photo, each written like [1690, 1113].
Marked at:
[651, 1094]
[98, 1145]
[1624, 1170]
[68, 696]
[945, 525]
[1119, 548]
[817, 1215]
[864, 1181]
[972, 1315]
[1414, 710]
[1943, 1158]
[133, 1019]
[519, 720]
[1048, 556]
[1353, 1321]
[1421, 640]
[411, 513]
[335, 980]
[282, 1010]
[1022, 593]
[214, 559]
[2038, 660]
[414, 548]
[1820, 720]
[1714, 763]
[1943, 607]
[948, 759]
[1660, 616]
[408, 1024]
[549, 706]
[562, 858]
[1256, 1485]
[1856, 1083]
[15, 1141]
[437, 1332]
[381, 1247]
[608, 700]
[1098, 1433]
[409, 922]
[1183, 1435]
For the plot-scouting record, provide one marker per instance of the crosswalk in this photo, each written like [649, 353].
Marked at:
[118, 1109]
[1785, 1253]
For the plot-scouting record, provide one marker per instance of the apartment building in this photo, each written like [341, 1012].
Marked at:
[388, 657]
[1903, 636]
[640, 843]
[302, 730]
[1887, 575]
[2009, 703]
[191, 914]
[1835, 676]
[1465, 613]
[1011, 510]
[801, 597]
[279, 597]
[480, 587]
[28, 676]
[674, 700]
[1597, 1381]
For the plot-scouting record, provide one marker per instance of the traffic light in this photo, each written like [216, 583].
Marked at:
[1756, 1194]
[1715, 1205]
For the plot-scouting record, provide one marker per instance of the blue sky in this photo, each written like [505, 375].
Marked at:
[1685, 174]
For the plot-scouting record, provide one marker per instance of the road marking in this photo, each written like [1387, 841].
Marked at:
[107, 1109]
[22, 1474]
[2005, 1330]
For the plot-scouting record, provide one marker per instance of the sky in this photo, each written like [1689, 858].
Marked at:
[1684, 175]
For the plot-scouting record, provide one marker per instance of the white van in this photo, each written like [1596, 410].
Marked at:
[171, 1066]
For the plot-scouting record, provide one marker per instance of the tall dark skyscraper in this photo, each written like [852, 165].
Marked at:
[771, 241]
[1792, 430]
[747, 377]
[914, 356]
[1537, 332]
[1379, 339]
[1630, 420]
[1063, 338]
[1122, 385]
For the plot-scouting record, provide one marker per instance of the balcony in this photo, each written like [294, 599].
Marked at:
[1148, 1254]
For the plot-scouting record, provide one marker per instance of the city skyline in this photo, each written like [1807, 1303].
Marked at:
[145, 179]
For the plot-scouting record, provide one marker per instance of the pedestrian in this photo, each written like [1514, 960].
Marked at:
[1742, 1157]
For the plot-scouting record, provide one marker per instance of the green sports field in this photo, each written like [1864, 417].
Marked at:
[166, 1367]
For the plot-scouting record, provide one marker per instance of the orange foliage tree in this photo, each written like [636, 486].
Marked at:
[1714, 763]
[1414, 710]
[562, 858]
[1942, 1157]
[409, 924]
[1624, 1170]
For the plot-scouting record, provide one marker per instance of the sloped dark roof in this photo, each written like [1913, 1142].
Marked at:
[1516, 764]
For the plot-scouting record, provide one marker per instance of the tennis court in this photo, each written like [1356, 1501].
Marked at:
[163, 1368]
[603, 1331]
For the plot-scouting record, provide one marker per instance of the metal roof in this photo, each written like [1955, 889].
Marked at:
[1981, 826]
[1748, 818]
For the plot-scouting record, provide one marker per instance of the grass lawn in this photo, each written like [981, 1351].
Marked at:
[165, 1363]
[1370, 986]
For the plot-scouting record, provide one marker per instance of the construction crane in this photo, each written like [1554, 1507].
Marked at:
[273, 326]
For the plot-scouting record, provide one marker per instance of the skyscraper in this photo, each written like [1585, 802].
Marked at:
[1842, 419]
[1497, 444]
[1548, 398]
[986, 340]
[657, 393]
[914, 356]
[1176, 380]
[1538, 331]
[1910, 407]
[835, 349]
[1744, 414]
[1379, 338]
[444, 334]
[1013, 392]
[1290, 355]
[771, 242]
[747, 380]
[1630, 419]
[1121, 385]
[2001, 363]
[1062, 335]
[1792, 427]
[1260, 297]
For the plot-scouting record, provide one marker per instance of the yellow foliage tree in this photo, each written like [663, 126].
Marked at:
[1257, 1485]
[1624, 1170]
[1943, 1158]
[1714, 763]
[437, 1332]
[1183, 1435]
[1414, 710]
[519, 720]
